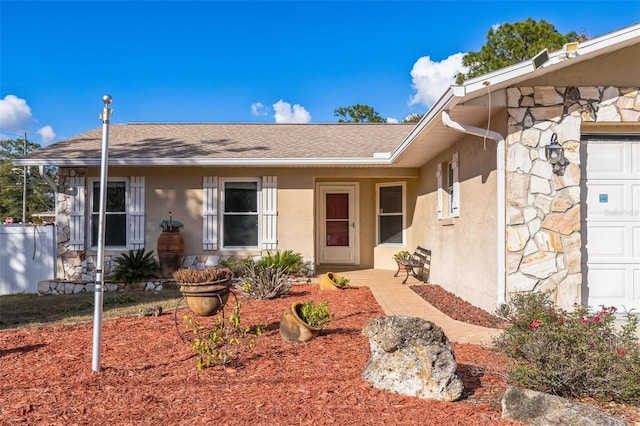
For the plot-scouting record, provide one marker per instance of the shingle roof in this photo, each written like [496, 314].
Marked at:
[135, 143]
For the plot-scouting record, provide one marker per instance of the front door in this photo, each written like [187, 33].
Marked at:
[337, 223]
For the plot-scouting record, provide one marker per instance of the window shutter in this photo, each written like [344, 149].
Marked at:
[76, 214]
[210, 213]
[440, 189]
[455, 203]
[269, 212]
[136, 213]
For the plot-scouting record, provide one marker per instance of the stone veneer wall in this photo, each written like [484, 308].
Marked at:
[543, 208]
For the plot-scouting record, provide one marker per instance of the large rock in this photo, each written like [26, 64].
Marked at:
[411, 356]
[537, 408]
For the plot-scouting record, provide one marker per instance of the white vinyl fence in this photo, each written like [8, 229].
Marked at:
[27, 255]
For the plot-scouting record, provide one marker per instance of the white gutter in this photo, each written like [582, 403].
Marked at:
[501, 217]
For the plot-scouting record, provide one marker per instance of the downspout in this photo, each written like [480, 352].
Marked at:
[500, 196]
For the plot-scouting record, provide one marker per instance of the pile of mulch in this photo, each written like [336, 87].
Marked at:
[148, 375]
[456, 307]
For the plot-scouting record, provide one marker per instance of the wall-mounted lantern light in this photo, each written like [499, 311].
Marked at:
[555, 154]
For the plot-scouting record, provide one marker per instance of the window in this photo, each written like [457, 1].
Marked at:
[448, 188]
[240, 214]
[115, 213]
[391, 213]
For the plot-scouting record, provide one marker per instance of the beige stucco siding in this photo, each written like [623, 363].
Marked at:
[463, 248]
[179, 191]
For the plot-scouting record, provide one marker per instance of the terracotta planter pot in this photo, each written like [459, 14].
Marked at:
[170, 249]
[206, 299]
[293, 329]
[327, 282]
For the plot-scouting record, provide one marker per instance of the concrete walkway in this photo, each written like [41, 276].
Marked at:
[396, 298]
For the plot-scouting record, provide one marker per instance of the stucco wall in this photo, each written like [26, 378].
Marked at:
[463, 248]
[179, 190]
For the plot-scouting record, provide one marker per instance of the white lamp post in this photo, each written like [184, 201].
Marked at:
[104, 165]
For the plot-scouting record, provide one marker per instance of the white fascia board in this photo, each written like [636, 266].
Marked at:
[447, 100]
[206, 162]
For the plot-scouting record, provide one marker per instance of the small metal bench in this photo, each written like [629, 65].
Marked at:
[418, 265]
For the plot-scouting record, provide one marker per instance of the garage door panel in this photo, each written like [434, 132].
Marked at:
[606, 160]
[606, 241]
[612, 222]
[605, 200]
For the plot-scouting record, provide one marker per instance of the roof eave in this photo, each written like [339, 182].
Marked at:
[205, 162]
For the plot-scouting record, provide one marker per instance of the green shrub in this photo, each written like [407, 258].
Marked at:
[135, 266]
[316, 316]
[288, 260]
[573, 353]
[236, 264]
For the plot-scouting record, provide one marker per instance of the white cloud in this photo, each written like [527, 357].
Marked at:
[15, 114]
[431, 79]
[392, 120]
[257, 109]
[47, 134]
[287, 114]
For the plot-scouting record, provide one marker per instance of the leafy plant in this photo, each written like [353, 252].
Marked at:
[317, 316]
[288, 260]
[169, 224]
[573, 353]
[265, 282]
[193, 276]
[135, 266]
[236, 264]
[341, 281]
[402, 255]
[218, 344]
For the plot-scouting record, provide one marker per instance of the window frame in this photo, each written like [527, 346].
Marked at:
[403, 213]
[223, 213]
[93, 245]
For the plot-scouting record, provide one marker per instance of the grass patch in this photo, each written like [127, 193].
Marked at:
[33, 310]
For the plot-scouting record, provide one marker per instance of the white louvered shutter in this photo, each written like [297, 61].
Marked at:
[455, 203]
[77, 214]
[440, 189]
[136, 213]
[210, 213]
[269, 212]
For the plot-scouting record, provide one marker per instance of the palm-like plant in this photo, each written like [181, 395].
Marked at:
[135, 266]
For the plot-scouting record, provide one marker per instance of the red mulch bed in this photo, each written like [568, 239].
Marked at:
[456, 307]
[148, 375]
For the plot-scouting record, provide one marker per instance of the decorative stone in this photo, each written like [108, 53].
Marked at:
[540, 185]
[513, 97]
[534, 225]
[548, 241]
[589, 92]
[569, 291]
[540, 265]
[530, 137]
[542, 203]
[518, 283]
[630, 115]
[608, 113]
[518, 159]
[514, 216]
[517, 114]
[610, 95]
[518, 189]
[517, 237]
[563, 223]
[542, 168]
[571, 177]
[411, 356]
[530, 248]
[547, 96]
[573, 258]
[513, 261]
[561, 203]
[537, 408]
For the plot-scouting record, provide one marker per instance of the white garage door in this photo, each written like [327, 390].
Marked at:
[613, 221]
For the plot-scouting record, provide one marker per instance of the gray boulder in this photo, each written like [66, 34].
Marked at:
[411, 356]
[537, 408]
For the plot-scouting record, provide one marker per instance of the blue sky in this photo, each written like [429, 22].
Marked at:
[243, 61]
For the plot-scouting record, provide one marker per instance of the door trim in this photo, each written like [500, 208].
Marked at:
[320, 186]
